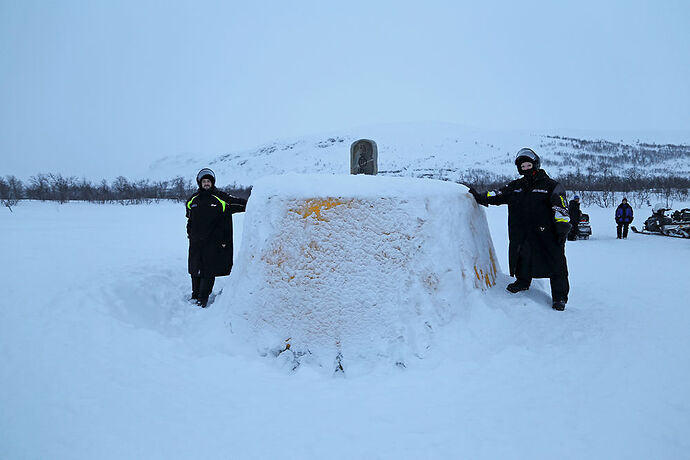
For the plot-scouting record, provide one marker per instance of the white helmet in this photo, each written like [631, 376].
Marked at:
[206, 173]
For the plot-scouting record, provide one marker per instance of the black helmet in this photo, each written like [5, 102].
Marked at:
[206, 173]
[527, 155]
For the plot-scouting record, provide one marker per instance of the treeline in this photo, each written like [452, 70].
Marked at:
[603, 189]
[55, 187]
[636, 198]
[593, 155]
[608, 147]
[607, 190]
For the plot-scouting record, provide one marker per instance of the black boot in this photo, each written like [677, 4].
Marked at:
[196, 281]
[517, 286]
[558, 305]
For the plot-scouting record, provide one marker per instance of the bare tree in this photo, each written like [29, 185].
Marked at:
[640, 197]
[39, 187]
[666, 190]
[12, 191]
[62, 189]
[180, 188]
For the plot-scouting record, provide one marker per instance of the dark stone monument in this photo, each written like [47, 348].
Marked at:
[364, 157]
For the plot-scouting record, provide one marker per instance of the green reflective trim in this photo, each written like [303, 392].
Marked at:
[221, 201]
[562, 220]
[189, 203]
[563, 201]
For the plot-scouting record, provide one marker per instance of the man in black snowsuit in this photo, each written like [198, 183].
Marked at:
[209, 229]
[624, 216]
[538, 225]
[575, 214]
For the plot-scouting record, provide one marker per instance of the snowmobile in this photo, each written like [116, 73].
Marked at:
[681, 216]
[678, 225]
[584, 230]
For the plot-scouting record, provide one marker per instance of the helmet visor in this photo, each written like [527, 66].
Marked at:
[527, 154]
[205, 172]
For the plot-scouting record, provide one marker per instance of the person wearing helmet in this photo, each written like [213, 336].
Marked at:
[624, 217]
[575, 213]
[209, 229]
[538, 225]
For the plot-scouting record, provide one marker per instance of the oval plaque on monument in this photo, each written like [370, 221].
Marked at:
[364, 157]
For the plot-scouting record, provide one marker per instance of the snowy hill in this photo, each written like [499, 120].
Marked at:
[444, 151]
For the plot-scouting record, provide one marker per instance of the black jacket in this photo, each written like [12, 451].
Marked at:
[538, 224]
[209, 229]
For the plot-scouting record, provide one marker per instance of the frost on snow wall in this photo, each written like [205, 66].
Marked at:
[336, 270]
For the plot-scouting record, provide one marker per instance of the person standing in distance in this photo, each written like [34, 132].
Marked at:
[209, 229]
[538, 226]
[624, 217]
[575, 214]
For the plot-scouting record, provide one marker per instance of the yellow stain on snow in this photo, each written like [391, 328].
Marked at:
[316, 206]
[280, 254]
[488, 277]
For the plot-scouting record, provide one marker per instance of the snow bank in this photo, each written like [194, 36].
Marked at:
[339, 270]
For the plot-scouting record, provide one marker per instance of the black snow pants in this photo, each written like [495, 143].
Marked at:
[202, 287]
[624, 228]
[559, 287]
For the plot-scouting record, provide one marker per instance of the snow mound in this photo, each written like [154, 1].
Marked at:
[339, 270]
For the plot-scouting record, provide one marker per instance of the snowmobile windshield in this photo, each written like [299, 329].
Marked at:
[658, 208]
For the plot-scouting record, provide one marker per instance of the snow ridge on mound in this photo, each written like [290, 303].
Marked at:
[344, 270]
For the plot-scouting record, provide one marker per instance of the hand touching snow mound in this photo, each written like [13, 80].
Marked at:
[348, 269]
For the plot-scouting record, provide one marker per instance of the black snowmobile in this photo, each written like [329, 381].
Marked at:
[681, 216]
[584, 230]
[677, 225]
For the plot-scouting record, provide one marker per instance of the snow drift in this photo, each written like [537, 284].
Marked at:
[342, 269]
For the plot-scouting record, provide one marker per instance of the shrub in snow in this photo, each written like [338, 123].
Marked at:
[339, 270]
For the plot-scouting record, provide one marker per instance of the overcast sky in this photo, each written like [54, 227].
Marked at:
[98, 87]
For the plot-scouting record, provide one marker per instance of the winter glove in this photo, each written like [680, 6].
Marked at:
[475, 194]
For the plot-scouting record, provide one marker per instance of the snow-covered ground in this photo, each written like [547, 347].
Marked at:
[101, 356]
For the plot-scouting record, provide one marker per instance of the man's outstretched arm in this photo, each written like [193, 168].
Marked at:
[494, 197]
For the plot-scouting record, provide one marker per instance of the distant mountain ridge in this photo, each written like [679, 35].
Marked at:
[440, 151]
